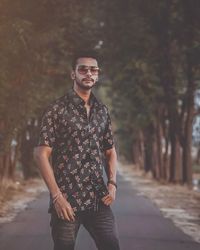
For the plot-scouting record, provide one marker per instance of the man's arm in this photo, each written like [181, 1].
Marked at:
[41, 156]
[111, 171]
[111, 166]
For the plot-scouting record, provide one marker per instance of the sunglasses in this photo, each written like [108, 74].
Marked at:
[83, 69]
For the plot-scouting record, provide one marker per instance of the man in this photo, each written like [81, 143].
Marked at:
[76, 132]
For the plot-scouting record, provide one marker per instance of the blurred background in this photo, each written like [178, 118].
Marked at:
[150, 59]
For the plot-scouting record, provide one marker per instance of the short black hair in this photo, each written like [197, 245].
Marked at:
[84, 54]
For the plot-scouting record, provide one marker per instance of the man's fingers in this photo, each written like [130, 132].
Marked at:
[66, 215]
[105, 197]
[108, 197]
[69, 213]
[107, 200]
[65, 212]
[60, 216]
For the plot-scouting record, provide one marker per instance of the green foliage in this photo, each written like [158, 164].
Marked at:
[37, 40]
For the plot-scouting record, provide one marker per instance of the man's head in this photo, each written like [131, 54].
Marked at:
[85, 70]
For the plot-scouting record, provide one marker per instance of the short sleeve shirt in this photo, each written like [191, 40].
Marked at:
[78, 143]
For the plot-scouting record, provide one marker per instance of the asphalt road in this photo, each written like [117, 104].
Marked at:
[141, 226]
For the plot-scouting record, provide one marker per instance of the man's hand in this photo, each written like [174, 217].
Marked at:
[108, 199]
[64, 209]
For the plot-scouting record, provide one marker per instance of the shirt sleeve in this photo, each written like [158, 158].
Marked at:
[47, 134]
[108, 140]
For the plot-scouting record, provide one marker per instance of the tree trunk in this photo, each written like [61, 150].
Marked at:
[138, 151]
[187, 142]
[187, 160]
[191, 18]
[197, 160]
[149, 149]
[175, 156]
[159, 139]
[6, 165]
[28, 142]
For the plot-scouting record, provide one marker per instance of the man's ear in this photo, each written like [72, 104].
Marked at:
[72, 75]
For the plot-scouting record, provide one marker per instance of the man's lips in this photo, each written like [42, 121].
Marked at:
[88, 80]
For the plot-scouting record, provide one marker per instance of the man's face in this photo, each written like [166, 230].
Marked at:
[86, 73]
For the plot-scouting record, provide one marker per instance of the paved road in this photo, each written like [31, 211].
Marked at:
[141, 226]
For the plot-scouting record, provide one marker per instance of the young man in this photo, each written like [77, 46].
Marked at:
[76, 132]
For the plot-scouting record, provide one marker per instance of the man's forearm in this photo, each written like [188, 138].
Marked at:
[111, 166]
[111, 171]
[46, 171]
[61, 205]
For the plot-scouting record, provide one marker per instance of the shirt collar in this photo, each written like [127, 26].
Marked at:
[77, 100]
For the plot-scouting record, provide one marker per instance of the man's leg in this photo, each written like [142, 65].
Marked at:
[64, 232]
[102, 227]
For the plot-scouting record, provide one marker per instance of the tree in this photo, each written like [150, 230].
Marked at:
[37, 41]
[151, 50]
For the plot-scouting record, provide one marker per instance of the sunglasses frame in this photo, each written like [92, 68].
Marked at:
[84, 72]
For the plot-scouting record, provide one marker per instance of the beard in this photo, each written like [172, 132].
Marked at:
[83, 85]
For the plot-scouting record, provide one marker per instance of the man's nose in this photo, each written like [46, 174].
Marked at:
[89, 72]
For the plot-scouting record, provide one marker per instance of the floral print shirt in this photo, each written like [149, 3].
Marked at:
[78, 143]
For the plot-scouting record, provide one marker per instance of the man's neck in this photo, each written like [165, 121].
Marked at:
[84, 94]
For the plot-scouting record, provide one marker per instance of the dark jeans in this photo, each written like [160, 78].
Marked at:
[101, 226]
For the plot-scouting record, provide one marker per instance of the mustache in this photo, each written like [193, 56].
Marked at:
[86, 79]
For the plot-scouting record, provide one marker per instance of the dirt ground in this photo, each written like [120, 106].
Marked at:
[176, 202]
[16, 196]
